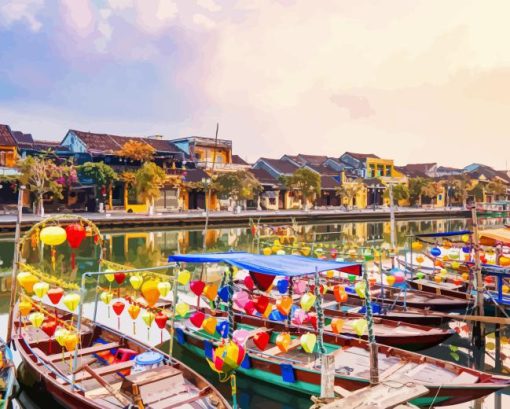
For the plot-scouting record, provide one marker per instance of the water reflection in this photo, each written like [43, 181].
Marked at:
[143, 248]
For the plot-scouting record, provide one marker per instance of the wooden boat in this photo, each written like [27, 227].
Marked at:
[447, 383]
[100, 384]
[291, 367]
[392, 332]
[7, 376]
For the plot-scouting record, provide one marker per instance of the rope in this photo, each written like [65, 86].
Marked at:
[230, 304]
[368, 304]
[48, 278]
[435, 397]
[320, 315]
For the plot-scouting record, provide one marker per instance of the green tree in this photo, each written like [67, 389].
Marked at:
[99, 173]
[431, 189]
[463, 186]
[415, 190]
[348, 191]
[400, 192]
[306, 182]
[42, 176]
[478, 192]
[137, 150]
[149, 180]
[240, 185]
[497, 187]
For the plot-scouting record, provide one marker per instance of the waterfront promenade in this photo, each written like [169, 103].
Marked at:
[121, 219]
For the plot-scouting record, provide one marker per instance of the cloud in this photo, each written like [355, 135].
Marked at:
[154, 16]
[203, 21]
[357, 106]
[12, 11]
[209, 5]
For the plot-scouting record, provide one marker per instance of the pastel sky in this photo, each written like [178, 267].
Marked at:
[417, 81]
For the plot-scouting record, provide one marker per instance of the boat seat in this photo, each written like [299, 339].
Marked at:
[464, 377]
[84, 351]
[105, 370]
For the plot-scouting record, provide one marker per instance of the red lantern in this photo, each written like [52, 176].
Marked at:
[118, 307]
[161, 320]
[262, 303]
[75, 235]
[119, 278]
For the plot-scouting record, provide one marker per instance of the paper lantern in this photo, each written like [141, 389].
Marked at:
[390, 280]
[438, 278]
[248, 282]
[489, 279]
[223, 328]
[466, 249]
[359, 326]
[455, 265]
[420, 259]
[148, 318]
[71, 301]
[299, 317]
[420, 275]
[118, 307]
[400, 277]
[109, 277]
[106, 297]
[443, 272]
[447, 244]
[75, 233]
[465, 238]
[70, 341]
[250, 308]
[150, 292]
[164, 288]
[283, 341]
[224, 293]
[504, 261]
[465, 276]
[182, 309]
[211, 291]
[60, 335]
[241, 298]
[268, 310]
[136, 281]
[505, 289]
[134, 311]
[197, 318]
[305, 251]
[299, 287]
[262, 303]
[340, 294]
[119, 278]
[261, 339]
[416, 246]
[41, 289]
[24, 308]
[183, 277]
[27, 281]
[55, 295]
[337, 325]
[352, 278]
[49, 328]
[457, 281]
[209, 325]
[308, 341]
[267, 251]
[282, 286]
[161, 319]
[284, 305]
[435, 251]
[53, 235]
[307, 301]
[36, 319]
[197, 287]
[280, 252]
[227, 357]
[372, 281]
[240, 336]
[360, 289]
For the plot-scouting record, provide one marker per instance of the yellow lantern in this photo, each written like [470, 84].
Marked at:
[182, 309]
[360, 326]
[53, 235]
[41, 289]
[135, 281]
[183, 277]
[416, 246]
[150, 292]
[209, 325]
[24, 308]
[36, 318]
[267, 251]
[71, 301]
[465, 238]
[27, 281]
[70, 341]
[505, 289]
[420, 259]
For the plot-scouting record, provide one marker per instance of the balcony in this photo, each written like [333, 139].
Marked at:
[221, 166]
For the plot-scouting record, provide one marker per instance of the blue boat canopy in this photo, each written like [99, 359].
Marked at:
[285, 265]
[445, 234]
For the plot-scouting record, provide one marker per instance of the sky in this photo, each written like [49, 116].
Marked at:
[415, 81]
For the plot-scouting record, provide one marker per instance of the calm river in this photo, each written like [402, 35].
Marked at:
[143, 248]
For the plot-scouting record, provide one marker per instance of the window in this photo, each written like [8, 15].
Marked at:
[3, 159]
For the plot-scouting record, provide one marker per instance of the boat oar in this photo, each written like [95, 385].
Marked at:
[479, 318]
[115, 393]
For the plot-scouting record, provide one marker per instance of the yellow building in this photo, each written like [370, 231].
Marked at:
[8, 147]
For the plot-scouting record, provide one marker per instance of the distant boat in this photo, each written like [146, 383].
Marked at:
[7, 376]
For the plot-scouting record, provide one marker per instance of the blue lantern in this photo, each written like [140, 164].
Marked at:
[224, 293]
[436, 251]
[466, 249]
[222, 329]
[283, 286]
[277, 316]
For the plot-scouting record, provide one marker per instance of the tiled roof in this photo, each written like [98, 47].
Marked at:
[416, 169]
[330, 182]
[362, 156]
[195, 175]
[236, 159]
[312, 159]
[23, 140]
[48, 145]
[323, 170]
[281, 166]
[6, 138]
[264, 177]
[105, 143]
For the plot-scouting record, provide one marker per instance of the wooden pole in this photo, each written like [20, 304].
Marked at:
[15, 263]
[478, 327]
[374, 362]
